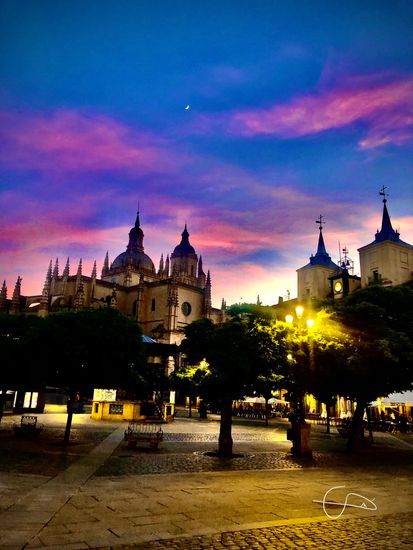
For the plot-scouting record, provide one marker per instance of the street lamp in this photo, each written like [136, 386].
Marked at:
[299, 433]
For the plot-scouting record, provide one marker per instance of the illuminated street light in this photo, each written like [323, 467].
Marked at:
[300, 431]
[299, 310]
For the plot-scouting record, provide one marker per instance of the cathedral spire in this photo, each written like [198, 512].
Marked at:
[161, 266]
[201, 274]
[49, 272]
[105, 268]
[79, 274]
[15, 301]
[94, 273]
[136, 236]
[66, 270]
[56, 269]
[44, 300]
[207, 303]
[3, 297]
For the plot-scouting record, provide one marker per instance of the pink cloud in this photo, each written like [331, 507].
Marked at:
[245, 284]
[385, 108]
[68, 141]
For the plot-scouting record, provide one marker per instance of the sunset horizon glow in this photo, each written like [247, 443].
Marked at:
[294, 111]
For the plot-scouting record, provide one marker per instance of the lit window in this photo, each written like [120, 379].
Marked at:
[30, 400]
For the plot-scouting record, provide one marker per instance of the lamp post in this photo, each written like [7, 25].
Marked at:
[299, 433]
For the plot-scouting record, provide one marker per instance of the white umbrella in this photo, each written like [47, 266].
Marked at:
[404, 398]
[254, 399]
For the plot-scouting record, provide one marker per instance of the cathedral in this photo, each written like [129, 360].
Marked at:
[165, 300]
[162, 301]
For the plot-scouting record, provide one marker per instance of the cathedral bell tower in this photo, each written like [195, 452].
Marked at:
[184, 261]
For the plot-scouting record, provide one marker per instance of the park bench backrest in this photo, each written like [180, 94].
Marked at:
[143, 428]
[28, 420]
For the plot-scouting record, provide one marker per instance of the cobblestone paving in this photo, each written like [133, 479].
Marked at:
[381, 533]
[194, 462]
[45, 455]
[186, 453]
[236, 436]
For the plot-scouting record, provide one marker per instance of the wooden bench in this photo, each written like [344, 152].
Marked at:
[146, 432]
[28, 426]
[343, 431]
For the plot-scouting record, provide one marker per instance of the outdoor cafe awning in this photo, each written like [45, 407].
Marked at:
[272, 401]
[395, 399]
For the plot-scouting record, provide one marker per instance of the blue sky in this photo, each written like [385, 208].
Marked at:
[296, 109]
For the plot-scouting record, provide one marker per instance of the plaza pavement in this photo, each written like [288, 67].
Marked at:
[261, 500]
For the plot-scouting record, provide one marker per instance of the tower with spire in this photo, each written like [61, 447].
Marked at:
[129, 265]
[387, 260]
[184, 260]
[313, 278]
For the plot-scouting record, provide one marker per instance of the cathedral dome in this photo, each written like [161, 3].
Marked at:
[135, 259]
[184, 248]
[134, 256]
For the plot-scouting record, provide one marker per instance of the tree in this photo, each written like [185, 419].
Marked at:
[87, 349]
[271, 358]
[251, 311]
[378, 326]
[16, 353]
[237, 353]
[189, 381]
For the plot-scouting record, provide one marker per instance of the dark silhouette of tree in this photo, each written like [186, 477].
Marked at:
[17, 369]
[88, 349]
[239, 354]
[378, 326]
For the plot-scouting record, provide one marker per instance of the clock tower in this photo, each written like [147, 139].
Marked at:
[344, 282]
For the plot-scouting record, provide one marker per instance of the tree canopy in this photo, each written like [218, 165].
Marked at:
[86, 349]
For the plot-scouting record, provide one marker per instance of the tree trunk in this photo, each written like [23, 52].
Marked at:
[368, 412]
[356, 428]
[68, 425]
[2, 401]
[301, 408]
[190, 407]
[328, 418]
[225, 438]
[266, 411]
[70, 406]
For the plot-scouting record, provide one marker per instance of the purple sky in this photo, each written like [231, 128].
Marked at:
[296, 109]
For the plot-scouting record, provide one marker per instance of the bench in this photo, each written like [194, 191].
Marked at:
[28, 426]
[146, 432]
[343, 431]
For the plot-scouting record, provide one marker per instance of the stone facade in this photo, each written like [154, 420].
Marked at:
[162, 301]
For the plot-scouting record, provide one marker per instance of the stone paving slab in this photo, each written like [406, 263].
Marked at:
[231, 507]
[185, 505]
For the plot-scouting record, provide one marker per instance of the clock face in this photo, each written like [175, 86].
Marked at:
[338, 287]
[186, 308]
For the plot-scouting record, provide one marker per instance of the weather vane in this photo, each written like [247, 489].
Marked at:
[321, 222]
[383, 193]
